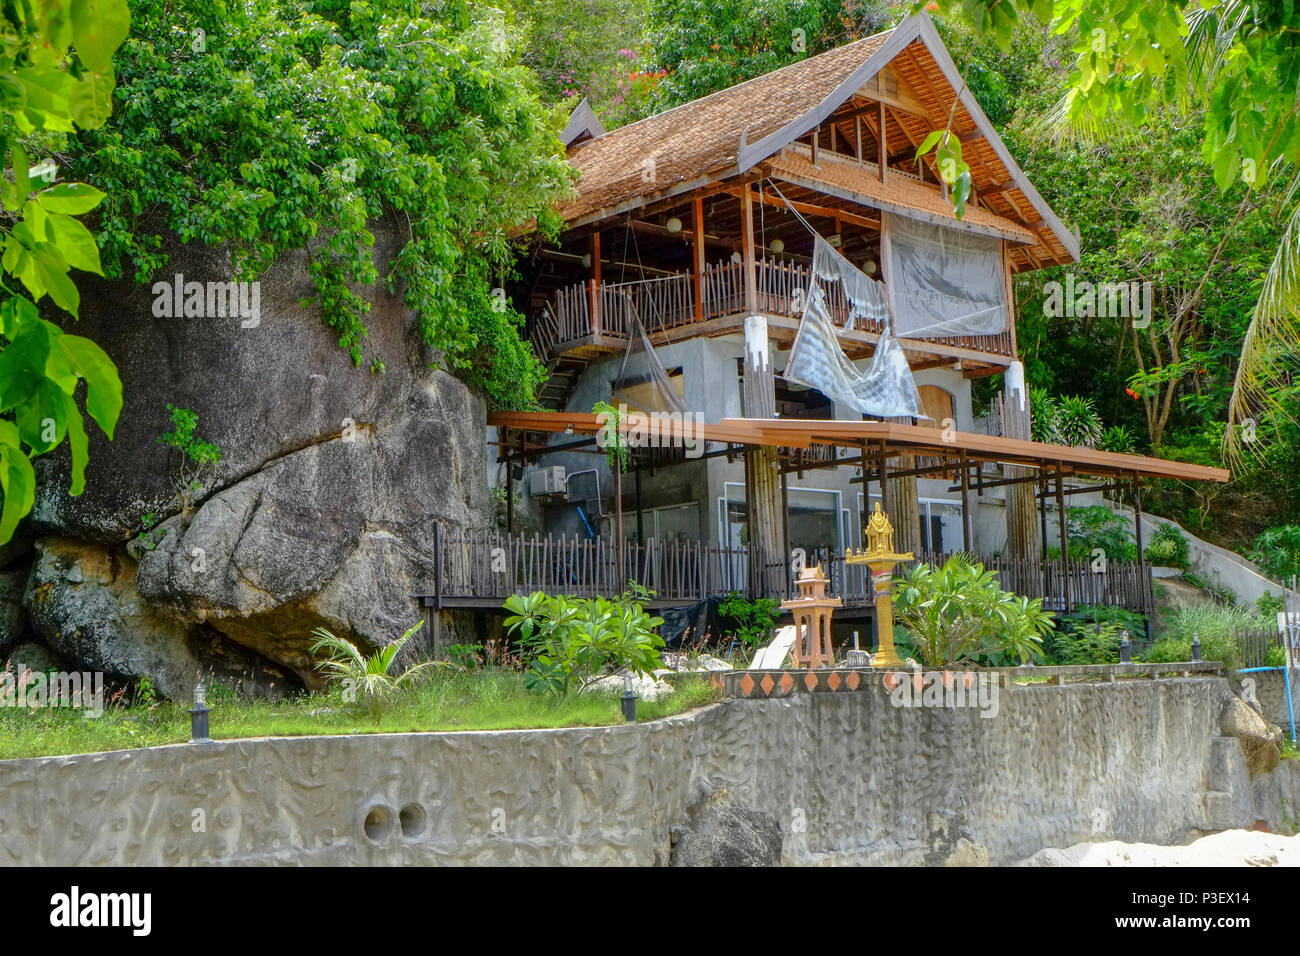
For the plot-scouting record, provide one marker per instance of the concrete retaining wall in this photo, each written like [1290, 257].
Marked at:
[849, 777]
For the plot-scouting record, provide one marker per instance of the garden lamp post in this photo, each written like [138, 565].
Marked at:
[629, 699]
[880, 556]
[199, 715]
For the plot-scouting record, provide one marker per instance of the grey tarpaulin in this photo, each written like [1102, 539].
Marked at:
[945, 282]
[642, 379]
[886, 388]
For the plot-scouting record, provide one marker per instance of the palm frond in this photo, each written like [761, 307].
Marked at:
[1274, 332]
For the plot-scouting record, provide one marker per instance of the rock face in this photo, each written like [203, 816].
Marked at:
[319, 513]
[1260, 742]
[84, 604]
[13, 620]
[721, 833]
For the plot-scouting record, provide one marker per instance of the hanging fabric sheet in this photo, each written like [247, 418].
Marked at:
[886, 388]
[642, 381]
[946, 282]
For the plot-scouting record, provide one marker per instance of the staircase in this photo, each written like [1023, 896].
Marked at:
[563, 373]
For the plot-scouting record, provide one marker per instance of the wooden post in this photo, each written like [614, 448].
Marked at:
[882, 471]
[816, 144]
[436, 613]
[785, 528]
[594, 251]
[1042, 517]
[966, 535]
[857, 135]
[618, 523]
[882, 143]
[747, 255]
[762, 472]
[640, 527]
[510, 497]
[1137, 534]
[698, 215]
[1065, 545]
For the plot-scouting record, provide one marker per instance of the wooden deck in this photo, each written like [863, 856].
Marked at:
[480, 570]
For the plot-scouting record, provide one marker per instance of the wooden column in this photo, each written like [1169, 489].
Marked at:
[857, 135]
[747, 258]
[1137, 534]
[698, 216]
[966, 535]
[594, 252]
[1065, 544]
[882, 144]
[1023, 534]
[762, 473]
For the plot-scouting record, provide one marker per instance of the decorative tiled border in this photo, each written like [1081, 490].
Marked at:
[784, 683]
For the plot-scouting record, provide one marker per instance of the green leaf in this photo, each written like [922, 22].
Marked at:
[99, 27]
[927, 144]
[72, 199]
[17, 481]
[76, 243]
[43, 414]
[47, 92]
[103, 386]
[91, 100]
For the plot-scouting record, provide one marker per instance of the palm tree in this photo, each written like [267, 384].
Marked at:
[367, 677]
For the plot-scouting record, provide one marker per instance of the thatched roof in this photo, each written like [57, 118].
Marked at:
[731, 131]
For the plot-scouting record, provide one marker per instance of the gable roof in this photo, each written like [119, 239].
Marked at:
[733, 130]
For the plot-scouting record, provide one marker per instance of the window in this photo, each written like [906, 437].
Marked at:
[940, 523]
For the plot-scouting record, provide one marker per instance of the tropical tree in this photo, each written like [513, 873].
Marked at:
[272, 126]
[958, 613]
[56, 74]
[1235, 60]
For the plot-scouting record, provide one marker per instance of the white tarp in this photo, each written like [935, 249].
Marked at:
[642, 379]
[886, 388]
[945, 282]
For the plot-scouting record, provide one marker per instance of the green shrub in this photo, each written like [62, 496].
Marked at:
[752, 620]
[1269, 605]
[1215, 624]
[1097, 527]
[1168, 548]
[958, 613]
[1276, 656]
[1277, 552]
[574, 640]
[1118, 439]
[1084, 644]
[367, 679]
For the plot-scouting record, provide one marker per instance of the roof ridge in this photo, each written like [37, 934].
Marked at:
[737, 86]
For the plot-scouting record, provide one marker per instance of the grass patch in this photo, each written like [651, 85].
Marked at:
[487, 699]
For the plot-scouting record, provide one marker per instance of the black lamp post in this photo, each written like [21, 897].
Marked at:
[199, 716]
[1196, 645]
[629, 700]
[1125, 650]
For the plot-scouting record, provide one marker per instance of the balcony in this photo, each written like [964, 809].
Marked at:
[669, 311]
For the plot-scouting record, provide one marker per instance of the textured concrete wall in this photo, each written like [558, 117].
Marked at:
[849, 777]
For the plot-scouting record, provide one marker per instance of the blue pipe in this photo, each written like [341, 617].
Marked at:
[1286, 672]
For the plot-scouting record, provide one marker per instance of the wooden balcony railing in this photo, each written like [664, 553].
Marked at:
[668, 302]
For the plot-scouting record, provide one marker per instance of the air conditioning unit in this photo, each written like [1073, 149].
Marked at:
[547, 481]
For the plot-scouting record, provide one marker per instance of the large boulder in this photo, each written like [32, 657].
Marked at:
[84, 604]
[1260, 742]
[322, 507]
[13, 619]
